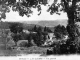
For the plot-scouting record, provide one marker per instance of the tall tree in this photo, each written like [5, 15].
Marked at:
[45, 28]
[34, 28]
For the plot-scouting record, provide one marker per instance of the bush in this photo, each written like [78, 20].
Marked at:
[63, 49]
[49, 52]
[60, 31]
[22, 43]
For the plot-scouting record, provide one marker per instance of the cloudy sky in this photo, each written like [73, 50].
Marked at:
[14, 16]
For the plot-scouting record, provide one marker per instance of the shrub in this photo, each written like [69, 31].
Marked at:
[59, 31]
[22, 43]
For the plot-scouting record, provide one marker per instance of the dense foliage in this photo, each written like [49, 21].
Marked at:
[16, 27]
[60, 31]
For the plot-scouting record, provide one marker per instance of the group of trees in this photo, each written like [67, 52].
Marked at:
[39, 36]
[41, 29]
[40, 33]
[60, 31]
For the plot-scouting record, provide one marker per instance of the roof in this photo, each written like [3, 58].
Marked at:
[51, 34]
[11, 43]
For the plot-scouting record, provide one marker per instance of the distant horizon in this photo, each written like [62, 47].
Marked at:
[33, 20]
[48, 23]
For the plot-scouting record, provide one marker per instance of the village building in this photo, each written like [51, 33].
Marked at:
[51, 39]
[26, 31]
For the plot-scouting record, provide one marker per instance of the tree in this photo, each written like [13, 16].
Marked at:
[34, 28]
[47, 29]
[24, 7]
[72, 8]
[16, 27]
[39, 29]
[60, 31]
[16, 37]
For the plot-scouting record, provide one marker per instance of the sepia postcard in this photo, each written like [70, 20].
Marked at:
[39, 29]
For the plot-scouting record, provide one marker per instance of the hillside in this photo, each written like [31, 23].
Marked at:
[31, 24]
[52, 23]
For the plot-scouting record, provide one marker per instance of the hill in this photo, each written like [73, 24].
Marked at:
[5, 25]
[31, 24]
[52, 23]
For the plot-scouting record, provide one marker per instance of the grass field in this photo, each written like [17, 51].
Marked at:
[29, 50]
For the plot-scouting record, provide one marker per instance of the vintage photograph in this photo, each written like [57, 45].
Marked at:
[45, 27]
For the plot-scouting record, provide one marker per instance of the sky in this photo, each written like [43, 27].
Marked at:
[14, 16]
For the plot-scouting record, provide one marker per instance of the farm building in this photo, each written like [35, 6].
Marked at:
[51, 39]
[26, 31]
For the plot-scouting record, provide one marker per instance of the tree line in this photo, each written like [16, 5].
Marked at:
[39, 36]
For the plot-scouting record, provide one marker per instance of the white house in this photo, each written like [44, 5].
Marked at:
[22, 42]
[51, 39]
[26, 31]
[51, 36]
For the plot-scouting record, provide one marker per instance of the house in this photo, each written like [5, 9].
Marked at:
[26, 31]
[51, 39]
[51, 35]
[22, 43]
[65, 37]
